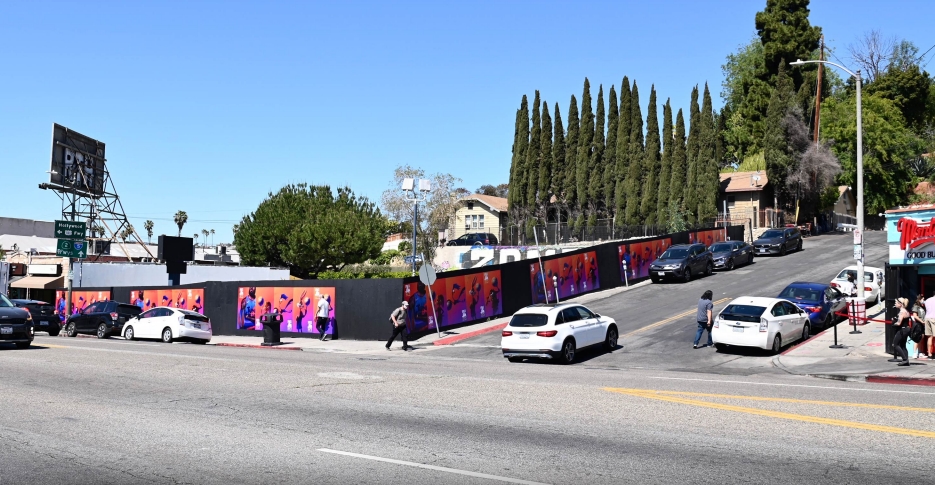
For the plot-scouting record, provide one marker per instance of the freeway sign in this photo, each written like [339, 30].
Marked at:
[71, 230]
[71, 249]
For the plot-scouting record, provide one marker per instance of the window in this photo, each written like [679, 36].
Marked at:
[481, 223]
[731, 200]
[778, 310]
[529, 320]
[790, 308]
[150, 313]
[584, 313]
[470, 206]
[94, 308]
[570, 315]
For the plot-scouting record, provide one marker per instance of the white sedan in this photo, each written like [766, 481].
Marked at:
[556, 331]
[767, 323]
[874, 283]
[169, 324]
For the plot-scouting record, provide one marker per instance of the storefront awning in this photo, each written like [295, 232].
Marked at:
[39, 282]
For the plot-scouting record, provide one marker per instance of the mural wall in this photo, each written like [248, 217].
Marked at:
[186, 299]
[79, 300]
[453, 300]
[634, 259]
[573, 274]
[297, 305]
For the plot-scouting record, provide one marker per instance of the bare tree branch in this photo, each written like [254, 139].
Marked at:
[872, 53]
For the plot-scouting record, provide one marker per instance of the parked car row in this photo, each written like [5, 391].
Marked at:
[20, 319]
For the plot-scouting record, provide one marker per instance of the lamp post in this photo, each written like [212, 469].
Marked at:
[859, 238]
[416, 193]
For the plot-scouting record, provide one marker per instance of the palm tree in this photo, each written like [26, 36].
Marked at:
[126, 233]
[148, 225]
[97, 230]
[180, 219]
[212, 237]
[204, 232]
[196, 239]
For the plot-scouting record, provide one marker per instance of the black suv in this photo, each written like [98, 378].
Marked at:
[484, 238]
[681, 262]
[15, 324]
[43, 314]
[779, 241]
[102, 318]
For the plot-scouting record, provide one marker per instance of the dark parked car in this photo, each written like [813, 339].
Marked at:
[681, 262]
[15, 324]
[779, 241]
[729, 254]
[43, 314]
[819, 300]
[102, 318]
[483, 238]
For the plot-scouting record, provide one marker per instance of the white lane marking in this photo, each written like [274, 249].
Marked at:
[793, 385]
[476, 346]
[431, 467]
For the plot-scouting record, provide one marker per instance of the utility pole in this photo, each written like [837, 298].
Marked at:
[821, 68]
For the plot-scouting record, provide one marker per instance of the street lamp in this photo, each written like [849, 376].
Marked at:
[416, 193]
[859, 237]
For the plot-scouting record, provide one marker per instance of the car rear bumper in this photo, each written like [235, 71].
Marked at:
[532, 354]
[52, 323]
[194, 334]
[750, 337]
[534, 343]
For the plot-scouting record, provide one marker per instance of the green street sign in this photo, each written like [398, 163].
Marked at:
[71, 249]
[71, 230]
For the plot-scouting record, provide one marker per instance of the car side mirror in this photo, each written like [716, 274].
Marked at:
[597, 315]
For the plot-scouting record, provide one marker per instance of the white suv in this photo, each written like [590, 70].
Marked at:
[550, 331]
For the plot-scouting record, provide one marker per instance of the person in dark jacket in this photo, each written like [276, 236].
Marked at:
[902, 331]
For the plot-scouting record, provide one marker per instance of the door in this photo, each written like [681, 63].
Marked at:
[87, 320]
[572, 319]
[796, 319]
[141, 326]
[591, 326]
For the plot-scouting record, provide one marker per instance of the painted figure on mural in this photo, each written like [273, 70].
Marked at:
[248, 310]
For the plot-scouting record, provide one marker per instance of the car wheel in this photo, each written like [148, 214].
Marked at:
[730, 264]
[709, 270]
[54, 333]
[70, 330]
[23, 345]
[782, 250]
[167, 335]
[806, 332]
[128, 333]
[514, 359]
[798, 247]
[750, 259]
[688, 275]
[655, 280]
[610, 341]
[567, 355]
[102, 330]
[777, 344]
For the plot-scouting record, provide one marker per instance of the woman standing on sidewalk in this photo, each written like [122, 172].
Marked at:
[902, 331]
[918, 318]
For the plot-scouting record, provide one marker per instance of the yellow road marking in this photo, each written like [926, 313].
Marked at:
[669, 320]
[651, 394]
[796, 401]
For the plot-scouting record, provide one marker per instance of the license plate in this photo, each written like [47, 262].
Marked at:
[762, 250]
[660, 273]
[196, 325]
[524, 335]
[6, 330]
[43, 323]
[738, 329]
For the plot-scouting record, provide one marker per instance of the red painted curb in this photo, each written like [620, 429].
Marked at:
[256, 346]
[912, 381]
[457, 338]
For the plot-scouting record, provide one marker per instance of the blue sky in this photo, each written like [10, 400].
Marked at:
[208, 106]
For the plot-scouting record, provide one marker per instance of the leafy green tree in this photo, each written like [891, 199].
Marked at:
[308, 228]
[708, 170]
[609, 159]
[746, 95]
[888, 145]
[518, 164]
[148, 225]
[635, 175]
[180, 218]
[776, 151]
[545, 162]
[622, 161]
[650, 187]
[596, 170]
[556, 181]
[585, 141]
[786, 35]
[908, 87]
[571, 155]
[678, 175]
[665, 166]
[533, 157]
[720, 147]
[689, 193]
[500, 190]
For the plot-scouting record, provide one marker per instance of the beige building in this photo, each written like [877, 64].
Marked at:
[847, 203]
[746, 192]
[479, 214]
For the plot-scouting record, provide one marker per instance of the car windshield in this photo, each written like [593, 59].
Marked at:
[131, 310]
[529, 320]
[743, 313]
[720, 247]
[190, 315]
[4, 303]
[801, 294]
[868, 275]
[675, 253]
[769, 234]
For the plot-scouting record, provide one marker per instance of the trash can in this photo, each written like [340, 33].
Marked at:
[271, 323]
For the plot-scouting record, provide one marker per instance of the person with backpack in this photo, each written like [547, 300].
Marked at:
[902, 323]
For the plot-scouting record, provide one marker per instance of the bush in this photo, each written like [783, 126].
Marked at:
[363, 273]
[405, 247]
[385, 258]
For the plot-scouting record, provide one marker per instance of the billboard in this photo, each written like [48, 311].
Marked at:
[634, 259]
[574, 274]
[185, 299]
[77, 161]
[455, 299]
[708, 237]
[79, 301]
[297, 305]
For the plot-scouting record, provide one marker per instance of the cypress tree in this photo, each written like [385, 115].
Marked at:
[634, 171]
[585, 139]
[558, 157]
[720, 145]
[775, 149]
[571, 154]
[679, 171]
[545, 163]
[650, 186]
[533, 157]
[623, 155]
[708, 177]
[665, 167]
[517, 173]
[609, 159]
[689, 197]
[596, 170]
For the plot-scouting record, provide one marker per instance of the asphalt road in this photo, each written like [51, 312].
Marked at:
[654, 336]
[82, 411]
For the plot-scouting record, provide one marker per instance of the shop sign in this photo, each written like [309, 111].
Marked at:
[916, 238]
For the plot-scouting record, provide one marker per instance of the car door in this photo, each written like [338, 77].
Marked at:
[142, 323]
[87, 320]
[591, 325]
[796, 319]
[572, 319]
[161, 321]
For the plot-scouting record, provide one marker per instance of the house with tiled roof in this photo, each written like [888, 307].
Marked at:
[745, 192]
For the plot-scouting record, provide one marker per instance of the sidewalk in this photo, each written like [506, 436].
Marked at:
[862, 359]
[427, 342]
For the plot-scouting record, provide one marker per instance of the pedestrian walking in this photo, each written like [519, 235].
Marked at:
[398, 318]
[918, 318]
[851, 288]
[704, 318]
[321, 316]
[902, 323]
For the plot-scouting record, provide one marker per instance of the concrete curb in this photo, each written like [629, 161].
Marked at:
[255, 346]
[877, 379]
[464, 336]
